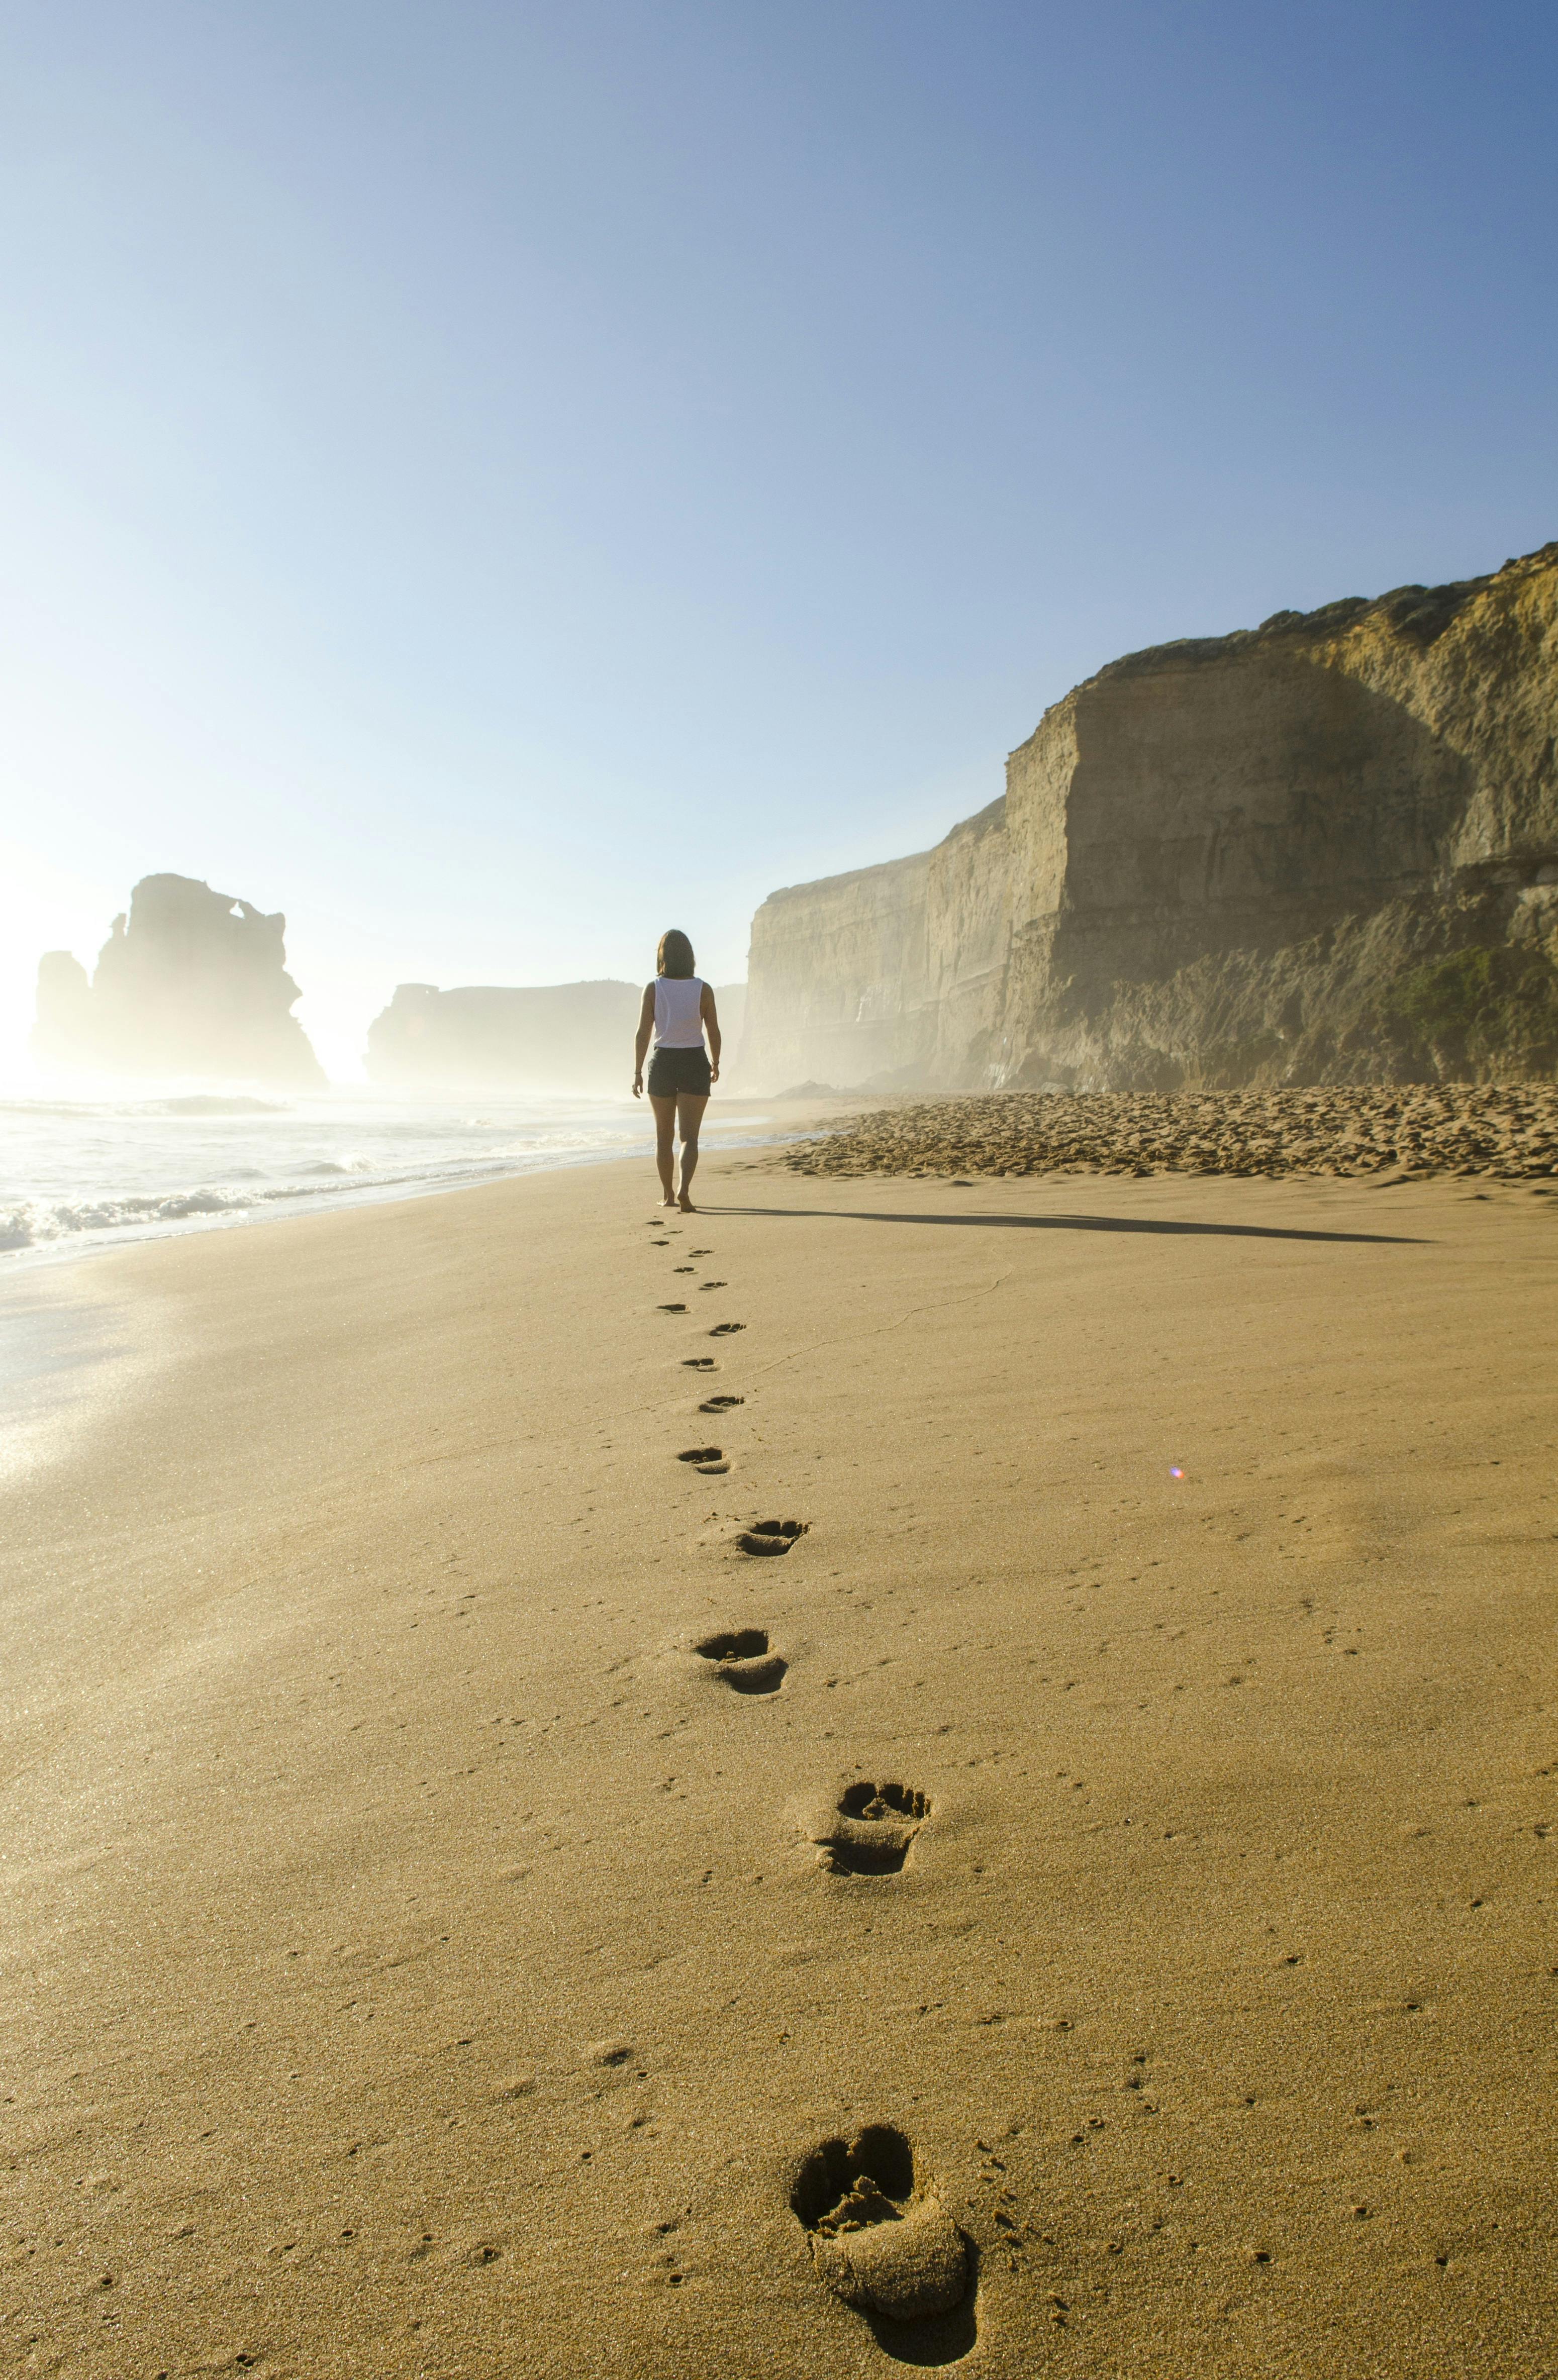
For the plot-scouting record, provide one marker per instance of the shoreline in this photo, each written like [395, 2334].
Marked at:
[63, 1356]
[421, 1959]
[205, 1209]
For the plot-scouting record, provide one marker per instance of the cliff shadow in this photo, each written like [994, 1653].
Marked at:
[1243, 805]
[1232, 826]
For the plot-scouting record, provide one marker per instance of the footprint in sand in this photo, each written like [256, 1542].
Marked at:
[870, 1829]
[741, 1658]
[720, 1405]
[701, 1252]
[712, 1285]
[704, 1458]
[697, 1363]
[723, 1329]
[672, 1309]
[772, 1536]
[683, 1267]
[878, 2234]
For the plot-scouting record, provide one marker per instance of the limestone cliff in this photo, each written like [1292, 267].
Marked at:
[557, 1037]
[836, 977]
[1325, 849]
[193, 982]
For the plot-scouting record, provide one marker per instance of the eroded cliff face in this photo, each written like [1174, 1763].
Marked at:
[1324, 849]
[191, 982]
[836, 979]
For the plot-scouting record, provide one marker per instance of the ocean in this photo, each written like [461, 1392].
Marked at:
[81, 1173]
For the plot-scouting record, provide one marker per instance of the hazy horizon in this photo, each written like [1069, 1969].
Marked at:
[96, 1078]
[493, 487]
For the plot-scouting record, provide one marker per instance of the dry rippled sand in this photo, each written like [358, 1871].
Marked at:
[1400, 1133]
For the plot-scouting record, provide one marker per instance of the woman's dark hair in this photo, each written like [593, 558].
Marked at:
[674, 954]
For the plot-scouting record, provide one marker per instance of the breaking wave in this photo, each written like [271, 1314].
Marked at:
[93, 1172]
[33, 1223]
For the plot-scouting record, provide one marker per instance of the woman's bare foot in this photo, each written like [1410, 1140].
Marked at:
[687, 1206]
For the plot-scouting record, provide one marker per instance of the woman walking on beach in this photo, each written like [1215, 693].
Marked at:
[678, 1009]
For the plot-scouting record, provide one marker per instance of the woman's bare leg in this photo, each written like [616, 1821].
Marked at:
[690, 1115]
[664, 1126]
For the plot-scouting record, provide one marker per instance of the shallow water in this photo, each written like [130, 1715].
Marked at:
[79, 1174]
[58, 1354]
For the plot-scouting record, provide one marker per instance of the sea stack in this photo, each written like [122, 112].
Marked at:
[191, 982]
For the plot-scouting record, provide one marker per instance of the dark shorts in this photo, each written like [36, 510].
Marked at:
[678, 1070]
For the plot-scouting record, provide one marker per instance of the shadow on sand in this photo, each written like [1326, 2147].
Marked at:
[942, 2337]
[1158, 1227]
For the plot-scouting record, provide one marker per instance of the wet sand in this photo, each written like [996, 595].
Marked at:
[420, 1961]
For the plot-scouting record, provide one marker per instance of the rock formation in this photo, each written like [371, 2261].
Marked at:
[552, 1037]
[555, 1036]
[193, 982]
[1325, 849]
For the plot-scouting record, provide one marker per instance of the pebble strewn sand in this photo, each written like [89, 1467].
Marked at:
[1455, 1128]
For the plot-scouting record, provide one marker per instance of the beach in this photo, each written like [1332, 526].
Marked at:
[1398, 1132]
[421, 1959]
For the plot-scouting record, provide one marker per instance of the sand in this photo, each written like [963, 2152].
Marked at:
[420, 1961]
[1400, 1131]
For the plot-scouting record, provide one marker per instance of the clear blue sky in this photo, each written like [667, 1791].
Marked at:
[494, 480]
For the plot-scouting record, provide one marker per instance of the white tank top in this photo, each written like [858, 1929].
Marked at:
[678, 1021]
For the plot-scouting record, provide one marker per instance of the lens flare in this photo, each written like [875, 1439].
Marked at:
[1175, 1471]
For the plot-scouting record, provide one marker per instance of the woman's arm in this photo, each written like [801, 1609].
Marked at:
[642, 1039]
[709, 1015]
